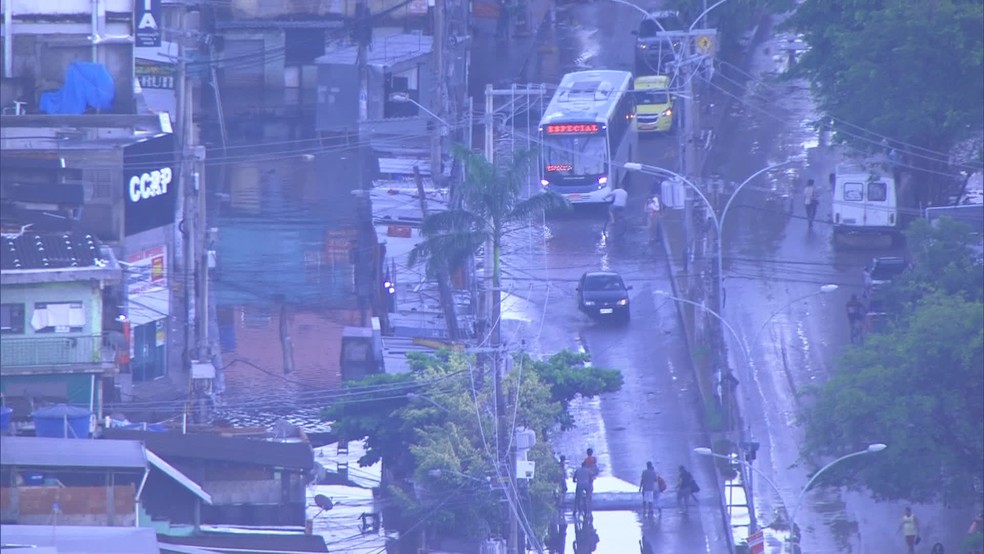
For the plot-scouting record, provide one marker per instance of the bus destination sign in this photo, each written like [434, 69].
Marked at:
[572, 128]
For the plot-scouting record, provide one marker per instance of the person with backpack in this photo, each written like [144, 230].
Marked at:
[686, 489]
[650, 485]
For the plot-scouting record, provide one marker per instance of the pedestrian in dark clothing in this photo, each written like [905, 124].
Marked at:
[686, 489]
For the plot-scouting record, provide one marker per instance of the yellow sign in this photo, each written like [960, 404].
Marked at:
[705, 44]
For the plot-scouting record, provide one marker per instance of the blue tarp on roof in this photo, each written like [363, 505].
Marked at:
[87, 85]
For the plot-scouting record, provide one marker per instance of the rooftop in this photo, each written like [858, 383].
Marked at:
[81, 539]
[170, 445]
[386, 51]
[28, 250]
[72, 453]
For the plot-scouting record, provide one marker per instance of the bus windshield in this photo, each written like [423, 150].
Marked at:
[575, 155]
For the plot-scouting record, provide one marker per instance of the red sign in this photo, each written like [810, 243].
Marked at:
[572, 128]
[560, 167]
[756, 542]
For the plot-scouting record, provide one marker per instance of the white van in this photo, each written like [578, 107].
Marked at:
[865, 201]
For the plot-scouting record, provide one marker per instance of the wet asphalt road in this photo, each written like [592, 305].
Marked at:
[656, 415]
[774, 267]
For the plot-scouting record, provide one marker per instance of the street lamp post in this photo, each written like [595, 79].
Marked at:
[824, 289]
[872, 448]
[718, 220]
[716, 315]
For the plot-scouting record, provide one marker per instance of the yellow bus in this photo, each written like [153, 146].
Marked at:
[653, 104]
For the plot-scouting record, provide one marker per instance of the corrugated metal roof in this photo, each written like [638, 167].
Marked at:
[83, 539]
[386, 51]
[72, 453]
[50, 251]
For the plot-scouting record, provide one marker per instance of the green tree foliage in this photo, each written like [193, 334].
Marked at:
[492, 204]
[918, 387]
[569, 375]
[946, 258]
[433, 428]
[909, 70]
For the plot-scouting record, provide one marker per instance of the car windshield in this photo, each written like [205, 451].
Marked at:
[603, 282]
[650, 26]
[650, 97]
[884, 271]
[575, 155]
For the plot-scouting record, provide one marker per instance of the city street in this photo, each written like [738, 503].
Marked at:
[657, 414]
[774, 268]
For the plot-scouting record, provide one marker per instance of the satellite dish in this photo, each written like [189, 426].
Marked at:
[323, 502]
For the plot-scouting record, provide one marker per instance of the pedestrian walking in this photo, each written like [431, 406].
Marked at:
[650, 485]
[974, 543]
[654, 216]
[811, 201]
[909, 527]
[562, 483]
[686, 489]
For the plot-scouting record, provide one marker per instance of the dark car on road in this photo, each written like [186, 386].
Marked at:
[656, 52]
[881, 271]
[603, 294]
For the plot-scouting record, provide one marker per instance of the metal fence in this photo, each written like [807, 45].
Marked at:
[51, 351]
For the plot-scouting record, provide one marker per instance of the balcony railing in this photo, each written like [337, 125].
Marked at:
[54, 351]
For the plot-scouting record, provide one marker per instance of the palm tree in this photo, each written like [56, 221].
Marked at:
[490, 203]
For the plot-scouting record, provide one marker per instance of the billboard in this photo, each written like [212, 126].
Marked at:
[146, 23]
[150, 184]
[146, 285]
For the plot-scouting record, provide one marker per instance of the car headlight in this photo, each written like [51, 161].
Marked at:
[589, 303]
[623, 302]
[667, 112]
[544, 182]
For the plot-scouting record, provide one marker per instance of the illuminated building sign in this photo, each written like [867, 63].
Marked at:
[573, 128]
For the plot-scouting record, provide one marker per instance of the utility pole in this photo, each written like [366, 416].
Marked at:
[439, 102]
[490, 311]
[181, 109]
[363, 37]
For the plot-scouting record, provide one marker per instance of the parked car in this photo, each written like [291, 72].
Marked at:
[603, 294]
[881, 271]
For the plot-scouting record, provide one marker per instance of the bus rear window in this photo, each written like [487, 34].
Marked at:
[853, 192]
[877, 191]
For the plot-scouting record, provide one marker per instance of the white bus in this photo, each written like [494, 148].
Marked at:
[584, 135]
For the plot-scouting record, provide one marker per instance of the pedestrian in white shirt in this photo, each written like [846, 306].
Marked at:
[653, 209]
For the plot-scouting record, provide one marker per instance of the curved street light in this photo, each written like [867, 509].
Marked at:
[716, 315]
[824, 289]
[872, 448]
[718, 220]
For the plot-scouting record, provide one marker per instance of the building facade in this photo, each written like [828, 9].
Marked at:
[124, 169]
[53, 347]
